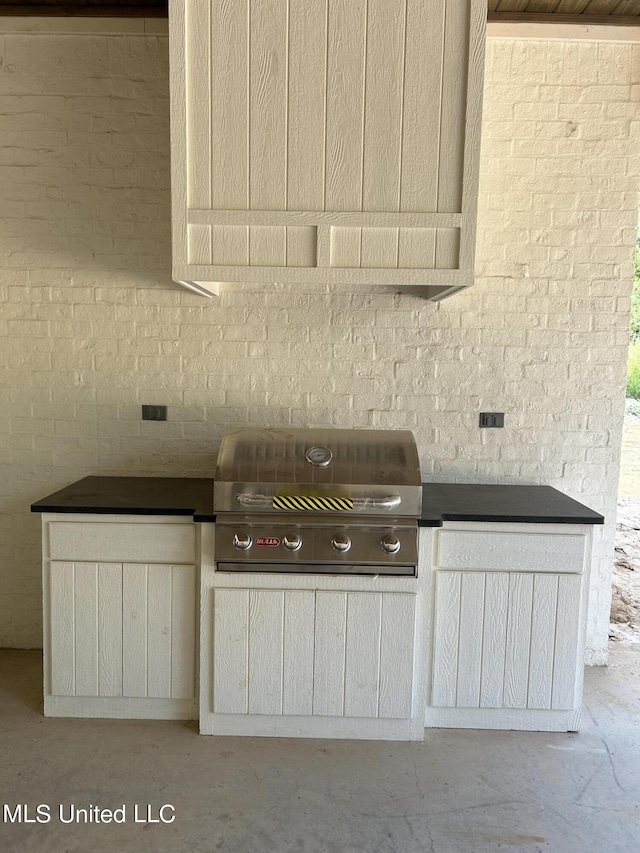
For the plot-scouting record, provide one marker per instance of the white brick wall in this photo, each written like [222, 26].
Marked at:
[91, 325]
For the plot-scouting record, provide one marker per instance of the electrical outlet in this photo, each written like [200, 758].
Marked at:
[491, 420]
[154, 413]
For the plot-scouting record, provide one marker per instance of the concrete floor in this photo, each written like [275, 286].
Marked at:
[459, 791]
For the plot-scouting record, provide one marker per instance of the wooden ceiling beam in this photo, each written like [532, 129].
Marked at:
[555, 18]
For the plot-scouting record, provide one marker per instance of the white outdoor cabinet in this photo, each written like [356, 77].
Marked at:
[310, 656]
[119, 616]
[509, 605]
[326, 141]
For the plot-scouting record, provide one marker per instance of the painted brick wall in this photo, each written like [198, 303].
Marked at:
[91, 325]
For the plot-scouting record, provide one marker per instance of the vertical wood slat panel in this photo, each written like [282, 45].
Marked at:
[454, 86]
[545, 594]
[472, 597]
[345, 104]
[396, 656]
[85, 601]
[134, 630]
[345, 247]
[198, 88]
[199, 244]
[422, 99]
[494, 639]
[417, 248]
[183, 628]
[447, 248]
[567, 630]
[62, 629]
[516, 668]
[301, 246]
[299, 618]
[229, 105]
[230, 651]
[267, 246]
[362, 656]
[159, 632]
[379, 248]
[266, 617]
[473, 127]
[329, 652]
[383, 105]
[110, 629]
[268, 105]
[446, 639]
[230, 244]
[306, 118]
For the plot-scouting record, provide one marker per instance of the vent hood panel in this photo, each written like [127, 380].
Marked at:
[328, 141]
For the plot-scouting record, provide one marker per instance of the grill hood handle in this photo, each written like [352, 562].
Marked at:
[251, 501]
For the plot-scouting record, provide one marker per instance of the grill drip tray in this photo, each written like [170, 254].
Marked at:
[319, 569]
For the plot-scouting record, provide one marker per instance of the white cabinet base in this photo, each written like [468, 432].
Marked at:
[120, 617]
[120, 708]
[509, 605]
[312, 656]
[255, 725]
[515, 719]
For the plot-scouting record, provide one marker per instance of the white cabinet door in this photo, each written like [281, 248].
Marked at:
[326, 140]
[122, 630]
[506, 640]
[313, 653]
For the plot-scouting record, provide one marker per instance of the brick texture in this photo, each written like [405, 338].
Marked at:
[91, 325]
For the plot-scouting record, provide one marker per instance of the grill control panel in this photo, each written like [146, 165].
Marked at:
[332, 547]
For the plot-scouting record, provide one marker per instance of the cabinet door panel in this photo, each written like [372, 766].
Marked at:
[306, 653]
[122, 630]
[506, 640]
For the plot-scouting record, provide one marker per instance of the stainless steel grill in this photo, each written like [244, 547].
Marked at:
[317, 500]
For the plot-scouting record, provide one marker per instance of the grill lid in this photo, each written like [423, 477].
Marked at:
[337, 470]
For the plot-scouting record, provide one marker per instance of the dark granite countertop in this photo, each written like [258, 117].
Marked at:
[440, 501]
[480, 502]
[134, 496]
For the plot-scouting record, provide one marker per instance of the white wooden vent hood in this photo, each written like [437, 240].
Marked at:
[329, 141]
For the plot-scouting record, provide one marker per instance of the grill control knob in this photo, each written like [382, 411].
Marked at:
[390, 544]
[242, 541]
[292, 541]
[341, 542]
